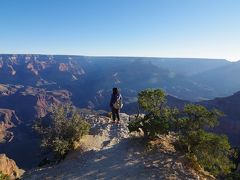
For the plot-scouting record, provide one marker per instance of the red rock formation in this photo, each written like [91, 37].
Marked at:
[8, 119]
[7, 90]
[47, 99]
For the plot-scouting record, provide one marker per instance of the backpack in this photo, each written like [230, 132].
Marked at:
[118, 103]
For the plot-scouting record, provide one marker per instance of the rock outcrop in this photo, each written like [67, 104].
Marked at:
[8, 167]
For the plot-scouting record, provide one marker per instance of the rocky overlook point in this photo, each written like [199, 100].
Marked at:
[110, 152]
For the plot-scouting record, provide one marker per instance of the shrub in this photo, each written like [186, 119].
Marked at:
[65, 127]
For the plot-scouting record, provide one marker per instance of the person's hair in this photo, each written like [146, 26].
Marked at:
[115, 91]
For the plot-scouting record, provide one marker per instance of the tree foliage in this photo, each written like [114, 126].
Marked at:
[210, 150]
[158, 115]
[65, 127]
[207, 149]
[196, 117]
[152, 100]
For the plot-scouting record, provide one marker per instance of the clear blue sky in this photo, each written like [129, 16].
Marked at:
[163, 28]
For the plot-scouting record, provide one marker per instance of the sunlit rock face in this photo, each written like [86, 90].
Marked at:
[8, 167]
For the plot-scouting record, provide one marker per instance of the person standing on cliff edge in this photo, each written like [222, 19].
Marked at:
[116, 104]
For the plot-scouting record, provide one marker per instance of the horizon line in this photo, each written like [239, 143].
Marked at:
[120, 56]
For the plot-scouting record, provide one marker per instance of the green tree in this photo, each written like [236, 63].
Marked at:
[152, 100]
[65, 127]
[158, 117]
[210, 150]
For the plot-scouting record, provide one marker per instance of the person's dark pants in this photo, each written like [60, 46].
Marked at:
[115, 114]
